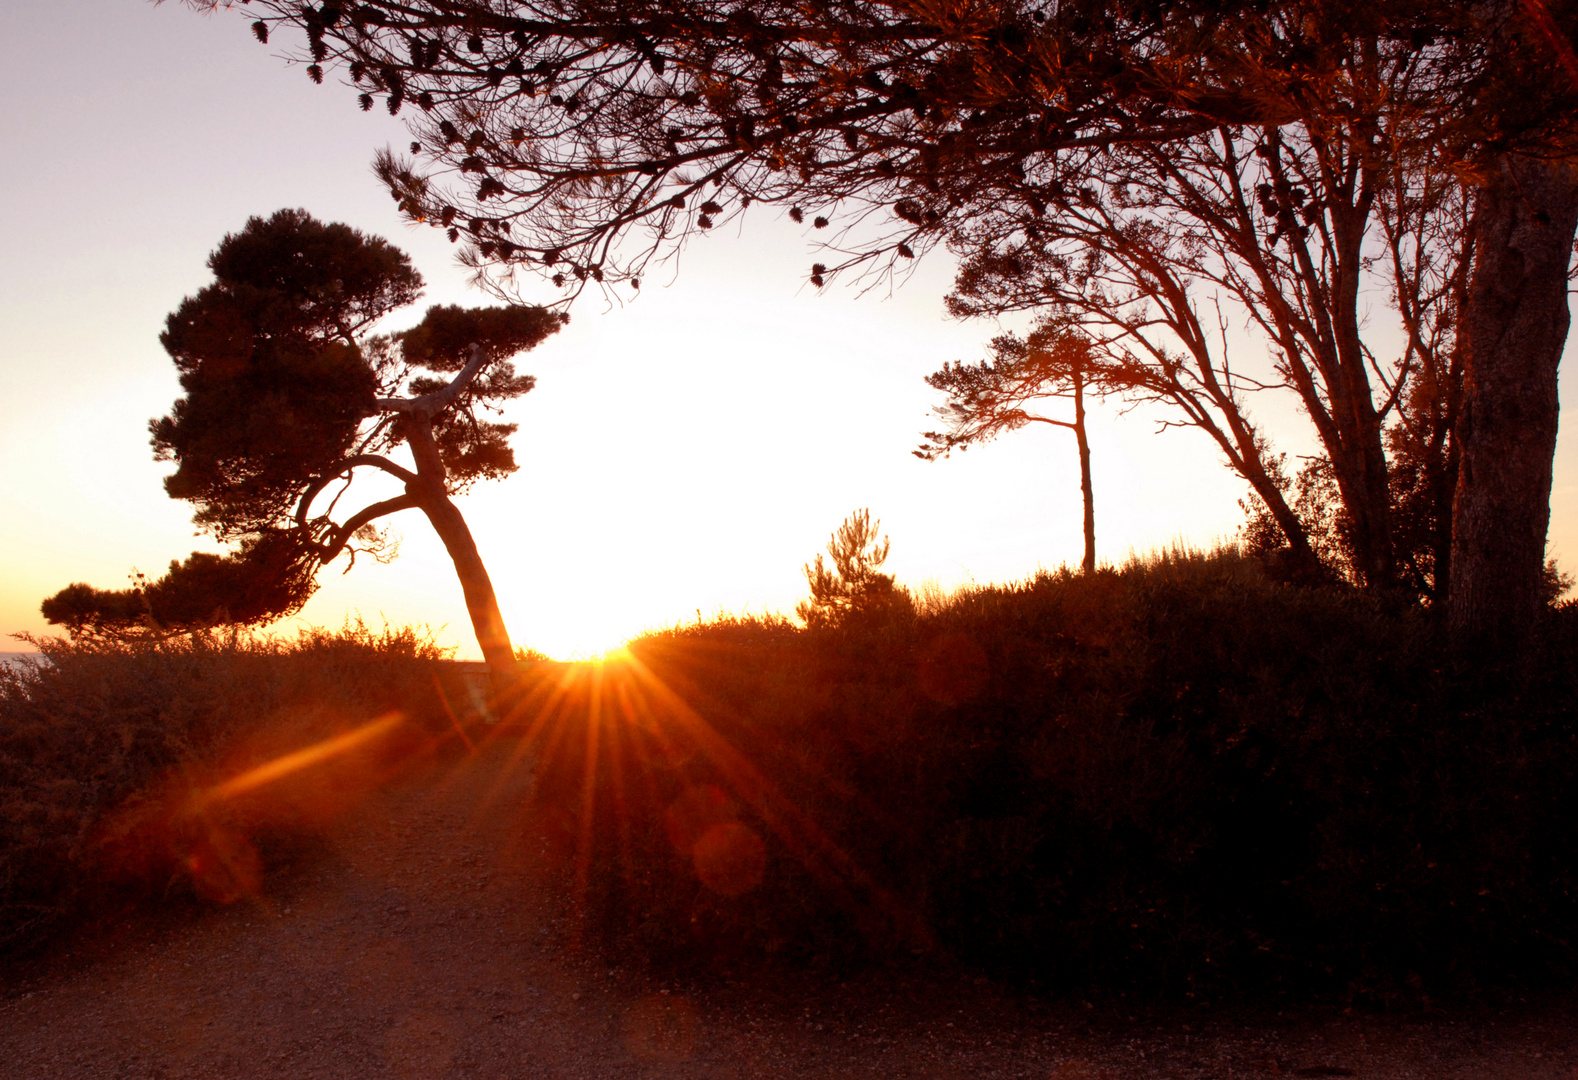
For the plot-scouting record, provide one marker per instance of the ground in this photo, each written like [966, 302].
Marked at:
[419, 940]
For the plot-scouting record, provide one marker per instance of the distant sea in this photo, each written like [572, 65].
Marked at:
[17, 659]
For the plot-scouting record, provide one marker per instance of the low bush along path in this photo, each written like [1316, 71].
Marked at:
[416, 940]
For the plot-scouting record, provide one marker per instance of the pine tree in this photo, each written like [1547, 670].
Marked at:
[854, 587]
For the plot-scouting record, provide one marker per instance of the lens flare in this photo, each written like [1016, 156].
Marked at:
[690, 816]
[224, 866]
[730, 858]
[286, 764]
[197, 823]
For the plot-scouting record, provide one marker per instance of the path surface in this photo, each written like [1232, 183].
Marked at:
[418, 944]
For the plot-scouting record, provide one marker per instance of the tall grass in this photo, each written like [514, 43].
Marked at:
[102, 722]
[1177, 774]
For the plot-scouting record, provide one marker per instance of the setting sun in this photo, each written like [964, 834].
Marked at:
[755, 540]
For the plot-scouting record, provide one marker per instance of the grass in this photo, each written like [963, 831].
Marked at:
[107, 738]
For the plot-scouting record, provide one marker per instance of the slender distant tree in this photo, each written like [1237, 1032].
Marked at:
[989, 398]
[854, 585]
[289, 397]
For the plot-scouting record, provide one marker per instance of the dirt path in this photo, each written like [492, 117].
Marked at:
[418, 944]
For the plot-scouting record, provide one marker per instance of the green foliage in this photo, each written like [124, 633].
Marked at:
[854, 586]
[99, 723]
[1178, 776]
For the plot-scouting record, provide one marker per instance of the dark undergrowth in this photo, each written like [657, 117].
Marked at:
[114, 757]
[1179, 777]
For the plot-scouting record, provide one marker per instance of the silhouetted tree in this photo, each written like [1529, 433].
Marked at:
[288, 395]
[270, 576]
[987, 399]
[565, 125]
[854, 586]
[1292, 228]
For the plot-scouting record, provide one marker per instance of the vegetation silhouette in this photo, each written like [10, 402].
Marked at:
[1180, 777]
[1153, 251]
[987, 399]
[566, 127]
[289, 397]
[854, 587]
[110, 743]
[1183, 774]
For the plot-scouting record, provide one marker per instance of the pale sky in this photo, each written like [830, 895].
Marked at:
[686, 452]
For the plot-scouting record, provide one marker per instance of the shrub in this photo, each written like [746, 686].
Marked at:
[103, 726]
[1178, 775]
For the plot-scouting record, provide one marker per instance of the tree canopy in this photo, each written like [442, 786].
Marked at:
[584, 138]
[288, 394]
[547, 129]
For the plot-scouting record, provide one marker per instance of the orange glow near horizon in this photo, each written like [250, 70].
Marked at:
[690, 449]
[603, 732]
[621, 757]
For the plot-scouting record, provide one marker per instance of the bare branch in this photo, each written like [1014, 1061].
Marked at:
[430, 404]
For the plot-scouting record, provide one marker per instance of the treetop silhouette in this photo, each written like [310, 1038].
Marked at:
[581, 139]
[1054, 362]
[854, 586]
[547, 130]
[288, 394]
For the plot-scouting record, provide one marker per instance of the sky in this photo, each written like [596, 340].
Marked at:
[684, 454]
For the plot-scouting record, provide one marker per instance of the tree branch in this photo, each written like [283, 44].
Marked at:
[377, 461]
[1049, 420]
[429, 404]
[343, 533]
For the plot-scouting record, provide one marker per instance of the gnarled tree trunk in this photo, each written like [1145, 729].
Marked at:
[482, 603]
[1515, 327]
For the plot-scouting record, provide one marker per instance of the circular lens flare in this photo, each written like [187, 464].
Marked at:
[730, 858]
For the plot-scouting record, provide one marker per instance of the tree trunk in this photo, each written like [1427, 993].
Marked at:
[1443, 489]
[1086, 491]
[482, 604]
[1514, 329]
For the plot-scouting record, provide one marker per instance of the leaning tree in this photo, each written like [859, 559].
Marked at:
[289, 397]
[582, 138]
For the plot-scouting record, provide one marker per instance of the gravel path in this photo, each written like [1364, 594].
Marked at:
[416, 943]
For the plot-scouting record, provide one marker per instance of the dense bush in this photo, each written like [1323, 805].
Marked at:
[1177, 775]
[97, 741]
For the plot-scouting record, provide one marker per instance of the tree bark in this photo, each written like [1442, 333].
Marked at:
[482, 603]
[1514, 329]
